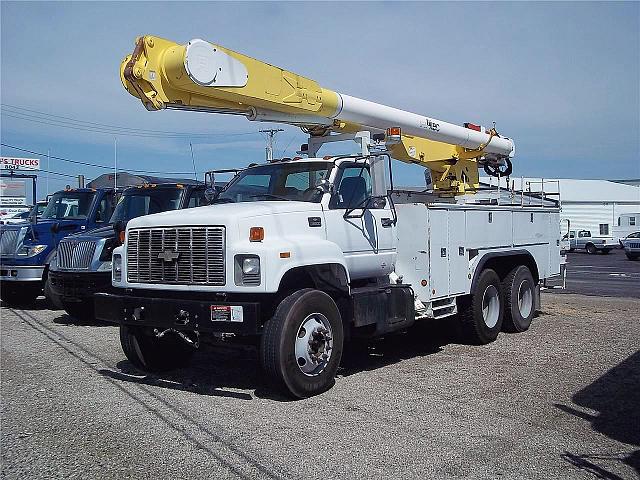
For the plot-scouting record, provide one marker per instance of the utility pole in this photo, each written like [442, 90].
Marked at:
[115, 162]
[271, 132]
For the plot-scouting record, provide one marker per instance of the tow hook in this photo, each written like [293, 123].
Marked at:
[195, 343]
[182, 318]
[137, 314]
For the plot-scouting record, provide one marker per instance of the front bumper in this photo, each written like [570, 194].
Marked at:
[79, 286]
[20, 273]
[182, 314]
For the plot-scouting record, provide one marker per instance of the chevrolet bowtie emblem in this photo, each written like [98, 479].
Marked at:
[168, 255]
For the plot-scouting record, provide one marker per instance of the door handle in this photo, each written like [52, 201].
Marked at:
[386, 222]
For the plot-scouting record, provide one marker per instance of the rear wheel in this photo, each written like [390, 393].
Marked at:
[152, 354]
[590, 248]
[481, 313]
[20, 294]
[301, 345]
[519, 295]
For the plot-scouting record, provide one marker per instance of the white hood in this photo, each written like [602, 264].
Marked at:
[222, 214]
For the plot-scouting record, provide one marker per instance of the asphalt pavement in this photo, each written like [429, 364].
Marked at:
[561, 400]
[612, 275]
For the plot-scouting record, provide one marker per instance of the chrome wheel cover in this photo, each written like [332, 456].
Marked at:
[313, 344]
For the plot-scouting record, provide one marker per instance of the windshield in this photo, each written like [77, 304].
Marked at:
[277, 181]
[69, 205]
[145, 202]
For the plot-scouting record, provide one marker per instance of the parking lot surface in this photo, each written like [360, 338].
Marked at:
[612, 275]
[559, 401]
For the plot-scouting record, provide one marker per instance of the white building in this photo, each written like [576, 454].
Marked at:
[595, 205]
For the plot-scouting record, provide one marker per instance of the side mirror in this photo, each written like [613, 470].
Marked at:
[325, 186]
[211, 194]
[377, 203]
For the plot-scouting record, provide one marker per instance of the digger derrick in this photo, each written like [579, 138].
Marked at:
[206, 77]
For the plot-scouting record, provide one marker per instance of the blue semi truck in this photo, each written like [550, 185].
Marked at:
[27, 249]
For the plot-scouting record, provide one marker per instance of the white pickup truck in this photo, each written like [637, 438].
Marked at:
[582, 240]
[306, 254]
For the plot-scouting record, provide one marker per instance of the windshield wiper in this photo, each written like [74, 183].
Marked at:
[223, 200]
[269, 195]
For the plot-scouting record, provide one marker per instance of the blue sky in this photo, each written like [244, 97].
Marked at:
[562, 79]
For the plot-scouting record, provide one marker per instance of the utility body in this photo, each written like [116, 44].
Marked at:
[305, 254]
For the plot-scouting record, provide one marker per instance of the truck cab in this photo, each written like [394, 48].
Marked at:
[81, 265]
[26, 250]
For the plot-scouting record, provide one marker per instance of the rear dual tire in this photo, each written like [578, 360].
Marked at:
[481, 313]
[519, 295]
[496, 305]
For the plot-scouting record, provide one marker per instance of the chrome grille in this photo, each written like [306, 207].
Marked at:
[187, 256]
[634, 245]
[8, 241]
[76, 255]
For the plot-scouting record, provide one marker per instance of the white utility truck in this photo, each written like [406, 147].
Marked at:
[307, 253]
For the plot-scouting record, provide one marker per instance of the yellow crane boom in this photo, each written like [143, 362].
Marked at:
[201, 76]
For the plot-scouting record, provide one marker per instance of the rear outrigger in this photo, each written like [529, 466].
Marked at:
[309, 253]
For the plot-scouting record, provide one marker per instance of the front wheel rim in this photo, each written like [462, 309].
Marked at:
[491, 306]
[525, 299]
[313, 344]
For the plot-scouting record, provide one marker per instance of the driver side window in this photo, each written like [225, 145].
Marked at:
[352, 188]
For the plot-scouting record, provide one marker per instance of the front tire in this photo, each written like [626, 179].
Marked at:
[20, 294]
[481, 313]
[519, 296]
[632, 256]
[54, 300]
[591, 249]
[151, 354]
[301, 345]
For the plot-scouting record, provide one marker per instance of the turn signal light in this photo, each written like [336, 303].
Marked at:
[256, 234]
[121, 237]
[393, 132]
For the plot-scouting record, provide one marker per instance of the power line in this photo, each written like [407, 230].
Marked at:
[106, 167]
[69, 122]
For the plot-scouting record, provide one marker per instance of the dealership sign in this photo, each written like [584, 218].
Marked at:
[12, 188]
[15, 163]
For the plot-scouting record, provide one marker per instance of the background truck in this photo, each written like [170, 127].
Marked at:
[304, 254]
[26, 249]
[82, 263]
[582, 240]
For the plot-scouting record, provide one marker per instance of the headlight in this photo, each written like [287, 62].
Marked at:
[105, 266]
[53, 264]
[107, 249]
[30, 251]
[251, 266]
[247, 270]
[117, 268]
